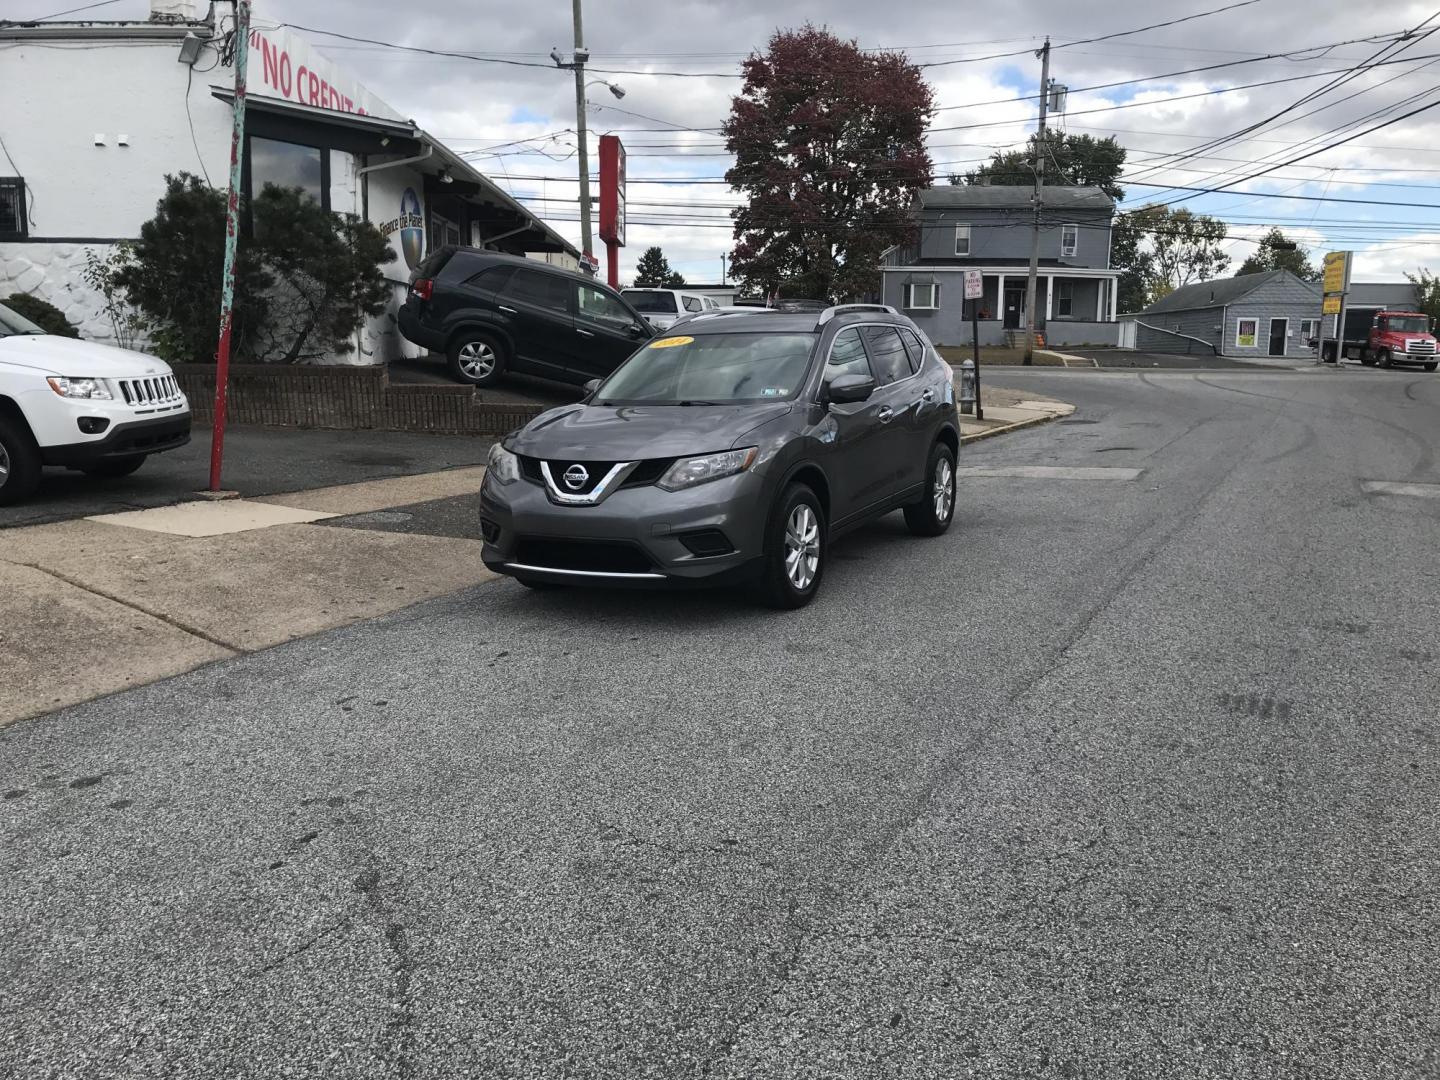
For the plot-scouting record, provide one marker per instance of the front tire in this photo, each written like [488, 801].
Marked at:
[931, 516]
[1382, 358]
[795, 550]
[113, 468]
[1432, 367]
[19, 463]
[476, 358]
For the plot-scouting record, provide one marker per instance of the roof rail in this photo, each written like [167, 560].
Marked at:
[840, 309]
[697, 316]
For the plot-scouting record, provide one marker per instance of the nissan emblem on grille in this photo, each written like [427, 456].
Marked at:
[575, 477]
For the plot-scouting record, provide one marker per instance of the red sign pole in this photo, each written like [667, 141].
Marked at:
[612, 264]
[612, 203]
[232, 228]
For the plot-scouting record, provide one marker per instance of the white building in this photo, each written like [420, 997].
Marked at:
[95, 114]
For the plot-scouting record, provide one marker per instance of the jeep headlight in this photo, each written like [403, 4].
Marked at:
[687, 472]
[503, 467]
[88, 389]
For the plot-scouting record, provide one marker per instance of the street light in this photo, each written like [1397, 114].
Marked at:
[614, 88]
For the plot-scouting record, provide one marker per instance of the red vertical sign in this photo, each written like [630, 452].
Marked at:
[612, 203]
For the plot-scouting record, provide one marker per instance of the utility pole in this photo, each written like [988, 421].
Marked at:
[232, 228]
[1044, 55]
[722, 268]
[581, 55]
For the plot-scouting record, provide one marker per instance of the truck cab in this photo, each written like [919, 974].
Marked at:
[1401, 337]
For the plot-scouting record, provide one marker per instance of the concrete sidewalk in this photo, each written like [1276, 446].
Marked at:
[96, 605]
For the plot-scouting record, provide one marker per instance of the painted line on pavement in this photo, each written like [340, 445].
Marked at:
[1050, 472]
[1387, 487]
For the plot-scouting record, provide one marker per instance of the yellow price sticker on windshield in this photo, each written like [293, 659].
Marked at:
[671, 342]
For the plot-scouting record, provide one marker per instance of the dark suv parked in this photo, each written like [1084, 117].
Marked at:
[733, 449]
[491, 313]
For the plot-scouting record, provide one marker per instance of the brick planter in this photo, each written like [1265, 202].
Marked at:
[347, 399]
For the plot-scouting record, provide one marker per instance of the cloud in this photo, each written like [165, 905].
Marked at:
[476, 106]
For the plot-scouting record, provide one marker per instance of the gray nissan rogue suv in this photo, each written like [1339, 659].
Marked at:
[734, 449]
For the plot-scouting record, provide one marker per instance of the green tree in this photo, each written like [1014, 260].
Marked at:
[829, 145]
[1427, 292]
[173, 277]
[1129, 255]
[654, 269]
[325, 276]
[1277, 251]
[42, 313]
[1070, 161]
[1181, 246]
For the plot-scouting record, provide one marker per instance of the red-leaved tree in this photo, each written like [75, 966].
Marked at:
[829, 145]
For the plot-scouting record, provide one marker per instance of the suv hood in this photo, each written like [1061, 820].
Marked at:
[637, 432]
[57, 355]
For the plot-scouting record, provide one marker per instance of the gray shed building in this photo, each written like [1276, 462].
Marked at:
[1269, 314]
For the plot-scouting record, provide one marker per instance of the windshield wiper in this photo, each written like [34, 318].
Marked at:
[692, 401]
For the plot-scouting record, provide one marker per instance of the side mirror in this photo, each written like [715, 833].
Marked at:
[637, 331]
[849, 388]
[590, 388]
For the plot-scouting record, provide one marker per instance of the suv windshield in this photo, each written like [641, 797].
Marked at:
[1408, 324]
[712, 369]
[14, 323]
[651, 300]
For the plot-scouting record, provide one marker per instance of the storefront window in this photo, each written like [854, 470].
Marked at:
[286, 165]
[1245, 331]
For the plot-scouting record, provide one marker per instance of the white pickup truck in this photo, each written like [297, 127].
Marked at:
[80, 405]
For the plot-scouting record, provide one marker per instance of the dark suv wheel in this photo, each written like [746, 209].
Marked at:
[19, 462]
[932, 515]
[795, 550]
[477, 358]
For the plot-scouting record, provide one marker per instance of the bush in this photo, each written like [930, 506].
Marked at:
[42, 313]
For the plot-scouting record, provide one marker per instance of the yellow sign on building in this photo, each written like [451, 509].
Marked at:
[1337, 272]
[1331, 305]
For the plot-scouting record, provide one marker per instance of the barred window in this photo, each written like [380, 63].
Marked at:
[12, 207]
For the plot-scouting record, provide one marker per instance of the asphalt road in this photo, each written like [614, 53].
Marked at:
[1120, 778]
[258, 461]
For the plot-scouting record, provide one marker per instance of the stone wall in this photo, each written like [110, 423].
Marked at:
[55, 272]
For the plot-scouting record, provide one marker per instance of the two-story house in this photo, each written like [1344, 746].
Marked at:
[985, 228]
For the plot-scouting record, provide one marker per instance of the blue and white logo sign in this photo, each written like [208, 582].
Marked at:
[412, 228]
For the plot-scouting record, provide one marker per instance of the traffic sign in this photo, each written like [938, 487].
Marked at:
[974, 285]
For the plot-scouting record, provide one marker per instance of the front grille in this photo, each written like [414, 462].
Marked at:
[596, 556]
[151, 390]
[149, 440]
[530, 469]
[595, 471]
[1420, 348]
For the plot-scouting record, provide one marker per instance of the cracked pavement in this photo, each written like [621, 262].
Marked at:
[1125, 779]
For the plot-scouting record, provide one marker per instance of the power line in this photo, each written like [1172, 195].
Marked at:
[57, 14]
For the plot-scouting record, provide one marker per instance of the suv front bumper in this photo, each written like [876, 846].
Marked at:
[123, 440]
[635, 537]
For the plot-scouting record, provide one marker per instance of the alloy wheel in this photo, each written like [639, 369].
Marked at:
[802, 547]
[943, 490]
[477, 359]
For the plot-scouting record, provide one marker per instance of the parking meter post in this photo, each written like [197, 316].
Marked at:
[967, 387]
[975, 337]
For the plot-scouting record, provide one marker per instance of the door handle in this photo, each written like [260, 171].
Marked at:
[928, 395]
[507, 310]
[885, 414]
[587, 333]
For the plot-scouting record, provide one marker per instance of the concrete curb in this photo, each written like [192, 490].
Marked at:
[1016, 426]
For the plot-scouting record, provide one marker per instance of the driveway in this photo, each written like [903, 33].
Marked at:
[258, 461]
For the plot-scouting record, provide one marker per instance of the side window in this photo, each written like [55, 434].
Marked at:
[915, 348]
[847, 356]
[692, 303]
[494, 279]
[887, 354]
[599, 306]
[542, 290]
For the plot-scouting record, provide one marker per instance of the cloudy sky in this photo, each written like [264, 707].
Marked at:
[518, 121]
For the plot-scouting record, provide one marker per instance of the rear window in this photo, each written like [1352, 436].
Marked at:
[431, 265]
[651, 301]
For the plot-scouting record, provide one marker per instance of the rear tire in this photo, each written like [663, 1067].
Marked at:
[19, 463]
[931, 516]
[113, 468]
[796, 549]
[1382, 358]
[477, 358]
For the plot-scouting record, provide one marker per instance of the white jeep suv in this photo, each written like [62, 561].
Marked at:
[80, 405]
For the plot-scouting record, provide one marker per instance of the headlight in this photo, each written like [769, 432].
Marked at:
[503, 467]
[687, 472]
[92, 389]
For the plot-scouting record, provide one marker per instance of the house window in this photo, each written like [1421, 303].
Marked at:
[1309, 328]
[922, 296]
[288, 165]
[12, 207]
[1245, 332]
[1069, 241]
[962, 239]
[1064, 298]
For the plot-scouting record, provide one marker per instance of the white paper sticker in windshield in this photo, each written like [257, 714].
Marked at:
[772, 391]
